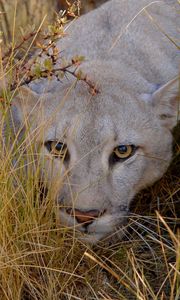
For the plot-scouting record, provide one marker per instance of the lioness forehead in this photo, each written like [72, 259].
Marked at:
[92, 120]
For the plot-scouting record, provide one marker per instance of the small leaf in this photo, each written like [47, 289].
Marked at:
[48, 64]
[60, 74]
[79, 74]
[39, 45]
[37, 71]
[81, 58]
[76, 60]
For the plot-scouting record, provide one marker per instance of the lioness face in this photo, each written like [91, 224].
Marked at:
[99, 151]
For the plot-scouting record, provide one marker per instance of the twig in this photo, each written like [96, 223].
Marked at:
[25, 38]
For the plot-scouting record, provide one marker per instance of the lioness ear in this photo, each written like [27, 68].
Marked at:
[166, 103]
[26, 100]
[23, 108]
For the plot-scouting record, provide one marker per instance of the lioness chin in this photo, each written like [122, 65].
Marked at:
[99, 150]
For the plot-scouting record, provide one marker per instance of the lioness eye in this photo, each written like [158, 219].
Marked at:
[122, 152]
[56, 148]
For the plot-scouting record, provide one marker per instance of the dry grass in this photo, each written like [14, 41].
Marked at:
[17, 16]
[40, 260]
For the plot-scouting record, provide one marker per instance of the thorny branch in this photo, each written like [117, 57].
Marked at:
[44, 64]
[19, 45]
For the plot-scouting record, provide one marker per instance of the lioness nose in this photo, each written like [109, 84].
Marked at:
[84, 216]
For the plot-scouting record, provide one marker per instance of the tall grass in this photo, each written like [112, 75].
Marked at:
[41, 260]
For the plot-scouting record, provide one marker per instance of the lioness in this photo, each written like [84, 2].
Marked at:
[106, 147]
